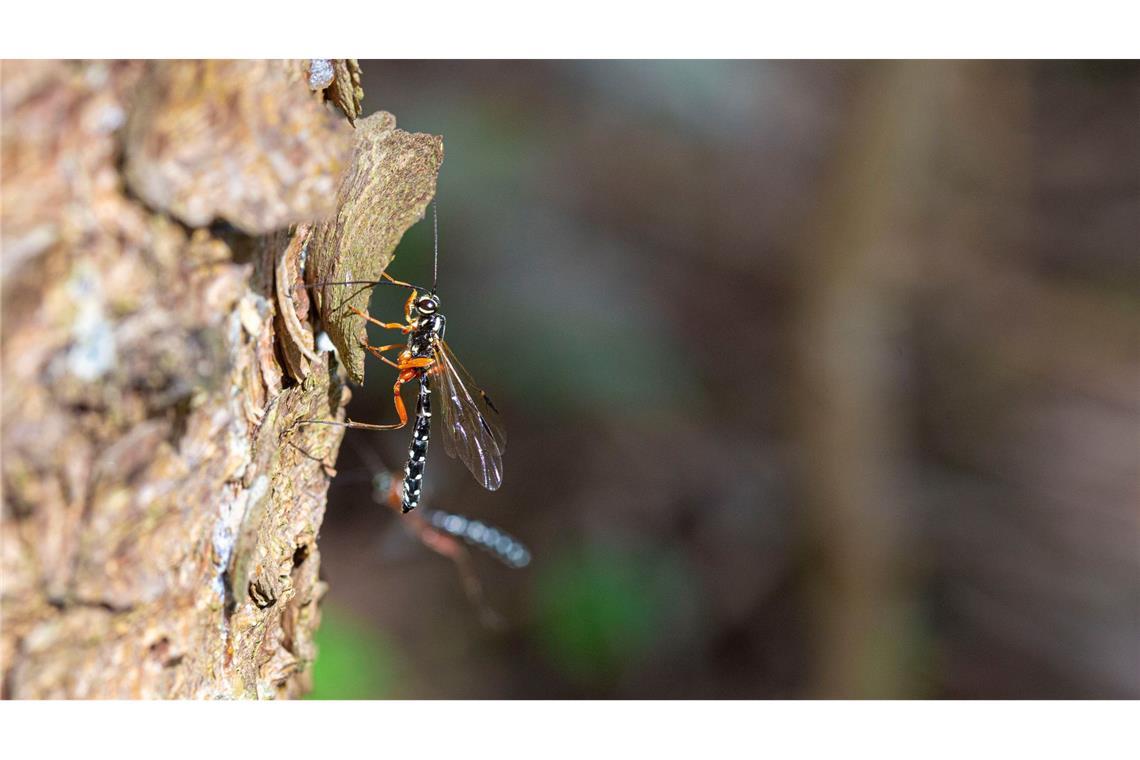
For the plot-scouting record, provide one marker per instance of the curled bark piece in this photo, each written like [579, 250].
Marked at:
[233, 140]
[345, 89]
[295, 337]
[338, 80]
[384, 192]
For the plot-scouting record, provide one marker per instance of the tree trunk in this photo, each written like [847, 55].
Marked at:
[855, 287]
[160, 502]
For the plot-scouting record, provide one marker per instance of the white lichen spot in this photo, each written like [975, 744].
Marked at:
[234, 329]
[324, 343]
[110, 118]
[92, 353]
[321, 73]
[257, 490]
[238, 449]
[223, 539]
[227, 527]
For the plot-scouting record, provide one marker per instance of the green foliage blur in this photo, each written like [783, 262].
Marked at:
[353, 660]
[600, 610]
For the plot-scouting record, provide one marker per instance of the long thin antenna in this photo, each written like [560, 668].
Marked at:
[369, 283]
[435, 265]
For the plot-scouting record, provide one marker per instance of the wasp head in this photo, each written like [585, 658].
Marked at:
[427, 305]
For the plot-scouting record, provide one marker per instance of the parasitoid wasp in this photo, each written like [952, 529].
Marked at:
[473, 429]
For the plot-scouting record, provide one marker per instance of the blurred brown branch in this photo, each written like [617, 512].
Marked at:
[854, 288]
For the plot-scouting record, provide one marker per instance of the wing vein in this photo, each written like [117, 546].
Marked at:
[473, 430]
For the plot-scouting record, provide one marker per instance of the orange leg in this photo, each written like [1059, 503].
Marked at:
[408, 371]
[401, 410]
[404, 377]
[387, 325]
[404, 362]
[394, 281]
[411, 298]
[419, 362]
[378, 350]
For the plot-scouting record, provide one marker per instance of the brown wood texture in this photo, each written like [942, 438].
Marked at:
[160, 504]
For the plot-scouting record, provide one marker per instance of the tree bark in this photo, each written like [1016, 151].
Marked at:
[161, 503]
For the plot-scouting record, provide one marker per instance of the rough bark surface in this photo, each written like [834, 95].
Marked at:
[160, 505]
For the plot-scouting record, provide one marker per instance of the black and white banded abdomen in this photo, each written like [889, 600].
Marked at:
[502, 546]
[417, 454]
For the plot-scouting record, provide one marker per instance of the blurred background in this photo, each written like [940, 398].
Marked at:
[820, 380]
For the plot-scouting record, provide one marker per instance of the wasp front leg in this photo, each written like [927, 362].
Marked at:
[409, 305]
[411, 299]
[404, 328]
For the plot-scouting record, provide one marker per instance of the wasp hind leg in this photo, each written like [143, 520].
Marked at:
[378, 352]
[401, 411]
[409, 369]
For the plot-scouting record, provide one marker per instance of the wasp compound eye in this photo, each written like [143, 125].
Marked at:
[427, 305]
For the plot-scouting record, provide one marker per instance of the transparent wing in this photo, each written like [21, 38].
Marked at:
[472, 428]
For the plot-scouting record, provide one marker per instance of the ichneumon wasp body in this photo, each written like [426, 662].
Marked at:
[473, 430]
